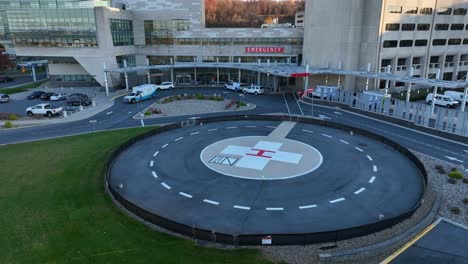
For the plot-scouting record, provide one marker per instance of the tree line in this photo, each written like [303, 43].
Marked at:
[250, 13]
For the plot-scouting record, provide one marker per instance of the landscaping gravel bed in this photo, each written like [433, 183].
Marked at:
[452, 194]
[193, 107]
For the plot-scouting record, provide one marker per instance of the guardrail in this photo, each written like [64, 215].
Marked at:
[256, 239]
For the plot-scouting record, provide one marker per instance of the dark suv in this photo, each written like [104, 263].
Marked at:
[78, 99]
[35, 95]
[46, 96]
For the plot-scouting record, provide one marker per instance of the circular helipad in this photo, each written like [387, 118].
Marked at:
[261, 158]
[246, 178]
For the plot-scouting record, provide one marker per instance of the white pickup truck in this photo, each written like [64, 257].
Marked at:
[43, 109]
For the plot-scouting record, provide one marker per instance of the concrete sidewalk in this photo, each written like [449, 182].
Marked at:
[102, 102]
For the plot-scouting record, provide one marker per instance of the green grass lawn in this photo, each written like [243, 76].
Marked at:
[54, 209]
[21, 89]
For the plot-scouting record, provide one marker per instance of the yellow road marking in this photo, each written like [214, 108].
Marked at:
[410, 243]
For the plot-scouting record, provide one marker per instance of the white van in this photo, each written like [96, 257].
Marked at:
[457, 96]
[442, 100]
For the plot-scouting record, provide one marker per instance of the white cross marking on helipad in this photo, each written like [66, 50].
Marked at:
[260, 155]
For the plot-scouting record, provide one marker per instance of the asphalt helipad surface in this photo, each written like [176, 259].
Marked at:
[262, 177]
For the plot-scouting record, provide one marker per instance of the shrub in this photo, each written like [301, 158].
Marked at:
[229, 104]
[13, 117]
[243, 104]
[153, 111]
[455, 210]
[451, 180]
[148, 113]
[200, 96]
[465, 201]
[456, 174]
[8, 124]
[440, 169]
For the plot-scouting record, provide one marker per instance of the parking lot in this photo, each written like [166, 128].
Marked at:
[18, 102]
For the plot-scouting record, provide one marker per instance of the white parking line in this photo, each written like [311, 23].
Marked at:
[337, 200]
[241, 207]
[186, 195]
[151, 163]
[359, 191]
[359, 149]
[156, 153]
[370, 158]
[287, 106]
[375, 168]
[194, 133]
[166, 186]
[108, 113]
[231, 127]
[307, 206]
[274, 208]
[214, 129]
[308, 131]
[211, 202]
[177, 139]
[328, 136]
[372, 179]
[165, 145]
[342, 141]
[154, 174]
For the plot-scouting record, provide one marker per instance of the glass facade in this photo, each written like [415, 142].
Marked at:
[122, 32]
[50, 23]
[26, 4]
[74, 78]
[53, 27]
[131, 60]
[160, 32]
[169, 40]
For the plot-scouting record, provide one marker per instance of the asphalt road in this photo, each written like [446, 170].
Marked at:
[362, 186]
[446, 243]
[120, 116]
[22, 80]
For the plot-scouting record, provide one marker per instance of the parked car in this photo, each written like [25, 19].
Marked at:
[4, 79]
[442, 100]
[46, 96]
[58, 97]
[35, 95]
[457, 96]
[254, 89]
[43, 109]
[78, 99]
[165, 86]
[4, 98]
[235, 86]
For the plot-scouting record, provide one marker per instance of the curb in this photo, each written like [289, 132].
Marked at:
[386, 245]
[138, 115]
